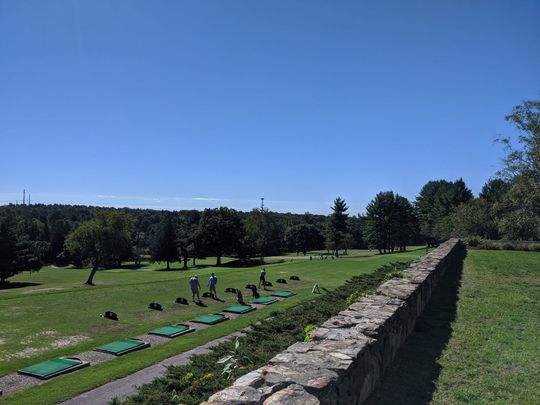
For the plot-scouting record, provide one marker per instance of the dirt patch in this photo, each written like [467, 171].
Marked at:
[43, 290]
[28, 352]
[29, 339]
[156, 315]
[68, 341]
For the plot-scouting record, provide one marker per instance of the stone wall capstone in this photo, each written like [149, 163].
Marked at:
[349, 352]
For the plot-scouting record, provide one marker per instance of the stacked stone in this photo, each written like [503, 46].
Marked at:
[349, 352]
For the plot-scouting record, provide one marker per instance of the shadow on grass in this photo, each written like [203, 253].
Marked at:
[412, 376]
[10, 285]
[134, 266]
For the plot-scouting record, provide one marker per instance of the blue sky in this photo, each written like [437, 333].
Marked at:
[194, 104]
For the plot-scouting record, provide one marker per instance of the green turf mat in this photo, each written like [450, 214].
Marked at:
[264, 300]
[172, 330]
[210, 319]
[51, 368]
[283, 294]
[239, 309]
[122, 346]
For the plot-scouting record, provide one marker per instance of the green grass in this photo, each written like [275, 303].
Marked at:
[477, 341]
[493, 354]
[60, 309]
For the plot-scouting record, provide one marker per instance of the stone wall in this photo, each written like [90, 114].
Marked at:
[350, 351]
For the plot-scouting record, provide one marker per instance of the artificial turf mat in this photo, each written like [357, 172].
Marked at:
[264, 300]
[51, 368]
[239, 309]
[122, 346]
[283, 294]
[210, 319]
[172, 330]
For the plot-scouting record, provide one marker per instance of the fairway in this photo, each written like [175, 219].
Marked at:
[57, 316]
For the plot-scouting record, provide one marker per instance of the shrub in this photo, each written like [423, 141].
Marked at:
[473, 241]
[307, 332]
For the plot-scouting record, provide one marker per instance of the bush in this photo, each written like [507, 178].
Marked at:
[524, 247]
[473, 241]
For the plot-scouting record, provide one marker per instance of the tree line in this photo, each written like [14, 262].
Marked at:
[507, 207]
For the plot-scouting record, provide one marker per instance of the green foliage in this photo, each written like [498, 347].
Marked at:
[221, 231]
[307, 332]
[524, 247]
[355, 296]
[337, 225]
[436, 201]
[263, 233]
[260, 344]
[234, 360]
[102, 241]
[494, 190]
[17, 254]
[473, 218]
[164, 246]
[473, 241]
[390, 222]
[303, 237]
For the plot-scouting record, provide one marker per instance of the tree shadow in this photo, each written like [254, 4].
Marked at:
[134, 266]
[9, 285]
[411, 378]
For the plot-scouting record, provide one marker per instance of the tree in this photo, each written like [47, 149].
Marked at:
[263, 232]
[220, 231]
[436, 201]
[164, 245]
[303, 237]
[102, 240]
[404, 222]
[337, 225]
[518, 211]
[526, 160]
[494, 190]
[379, 217]
[474, 218]
[187, 236]
[16, 254]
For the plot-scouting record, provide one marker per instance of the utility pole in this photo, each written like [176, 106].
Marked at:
[23, 196]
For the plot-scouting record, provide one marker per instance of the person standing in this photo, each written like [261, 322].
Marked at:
[212, 281]
[195, 287]
[262, 278]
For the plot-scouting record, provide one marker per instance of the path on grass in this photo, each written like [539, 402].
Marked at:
[124, 387]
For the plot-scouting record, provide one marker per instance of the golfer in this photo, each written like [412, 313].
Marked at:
[262, 278]
[212, 281]
[195, 287]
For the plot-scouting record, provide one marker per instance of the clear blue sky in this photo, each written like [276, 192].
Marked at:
[193, 104]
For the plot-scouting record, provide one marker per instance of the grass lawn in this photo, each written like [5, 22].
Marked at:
[477, 341]
[56, 315]
[493, 355]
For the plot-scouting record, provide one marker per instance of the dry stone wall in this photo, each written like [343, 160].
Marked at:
[350, 351]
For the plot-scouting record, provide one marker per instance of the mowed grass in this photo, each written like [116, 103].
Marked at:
[57, 315]
[477, 340]
[493, 353]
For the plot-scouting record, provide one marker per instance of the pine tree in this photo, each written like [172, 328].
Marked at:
[337, 225]
[165, 244]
